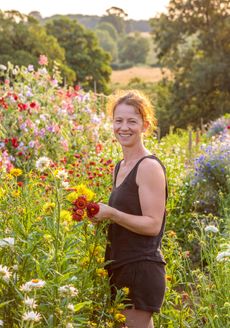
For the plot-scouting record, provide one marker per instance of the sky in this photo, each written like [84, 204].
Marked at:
[142, 9]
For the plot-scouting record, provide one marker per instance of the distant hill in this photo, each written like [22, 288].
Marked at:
[90, 21]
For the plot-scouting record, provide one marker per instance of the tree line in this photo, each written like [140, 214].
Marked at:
[191, 39]
[84, 56]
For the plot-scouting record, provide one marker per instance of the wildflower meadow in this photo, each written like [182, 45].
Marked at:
[57, 155]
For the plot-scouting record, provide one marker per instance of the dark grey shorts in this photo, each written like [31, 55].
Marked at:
[146, 283]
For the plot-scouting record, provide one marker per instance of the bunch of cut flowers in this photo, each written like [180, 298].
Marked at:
[82, 204]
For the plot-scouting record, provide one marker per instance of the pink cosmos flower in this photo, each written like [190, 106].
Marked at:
[43, 60]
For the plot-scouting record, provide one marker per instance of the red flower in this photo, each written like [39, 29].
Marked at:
[14, 142]
[76, 217]
[77, 87]
[22, 107]
[33, 104]
[80, 202]
[92, 209]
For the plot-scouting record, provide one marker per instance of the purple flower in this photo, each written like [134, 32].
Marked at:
[30, 68]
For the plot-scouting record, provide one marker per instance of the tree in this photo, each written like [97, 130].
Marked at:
[193, 41]
[37, 15]
[134, 49]
[115, 16]
[83, 54]
[23, 40]
[107, 43]
[109, 28]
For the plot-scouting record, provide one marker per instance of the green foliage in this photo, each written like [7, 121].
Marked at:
[133, 49]
[83, 54]
[105, 26]
[107, 43]
[192, 40]
[23, 40]
[116, 21]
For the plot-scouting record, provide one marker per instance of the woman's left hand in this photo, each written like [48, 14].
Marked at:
[104, 213]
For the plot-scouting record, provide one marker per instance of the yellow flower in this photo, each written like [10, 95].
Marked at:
[92, 324]
[9, 177]
[82, 190]
[16, 172]
[84, 261]
[101, 272]
[16, 193]
[120, 306]
[125, 290]
[96, 250]
[100, 259]
[72, 196]
[66, 216]
[48, 238]
[48, 207]
[119, 317]
[171, 233]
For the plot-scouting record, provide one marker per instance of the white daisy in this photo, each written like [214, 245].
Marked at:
[25, 288]
[70, 307]
[30, 302]
[62, 175]
[3, 67]
[31, 316]
[211, 228]
[43, 163]
[34, 283]
[65, 184]
[4, 273]
[1, 323]
[69, 325]
[223, 256]
[7, 242]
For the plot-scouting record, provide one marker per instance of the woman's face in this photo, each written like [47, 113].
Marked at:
[128, 125]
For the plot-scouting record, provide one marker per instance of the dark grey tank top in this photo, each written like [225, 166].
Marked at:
[125, 246]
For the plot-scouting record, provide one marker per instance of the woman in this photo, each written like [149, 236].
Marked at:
[137, 213]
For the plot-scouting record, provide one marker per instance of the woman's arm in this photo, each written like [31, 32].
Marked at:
[151, 181]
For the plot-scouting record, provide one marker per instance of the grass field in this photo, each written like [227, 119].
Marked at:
[147, 74]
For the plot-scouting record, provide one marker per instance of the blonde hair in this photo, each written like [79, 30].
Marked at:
[138, 100]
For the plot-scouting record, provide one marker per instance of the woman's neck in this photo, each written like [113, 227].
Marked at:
[131, 155]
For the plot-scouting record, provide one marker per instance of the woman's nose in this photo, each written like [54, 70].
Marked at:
[124, 126]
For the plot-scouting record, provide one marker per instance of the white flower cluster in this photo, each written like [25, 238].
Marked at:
[68, 290]
[211, 228]
[43, 163]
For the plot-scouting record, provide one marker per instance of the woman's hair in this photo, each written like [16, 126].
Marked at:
[136, 99]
